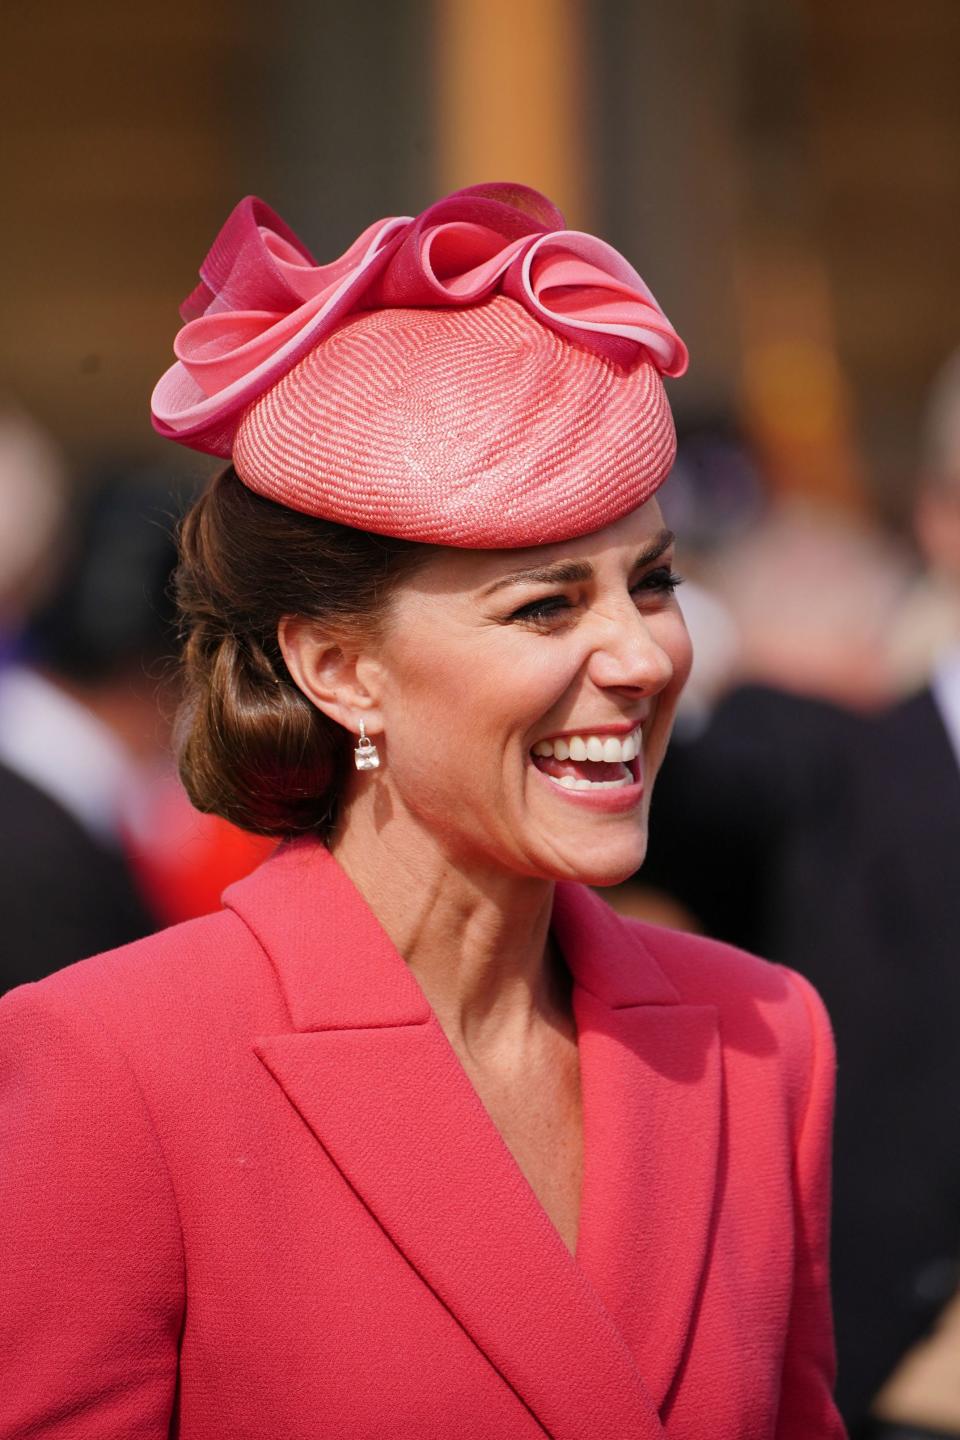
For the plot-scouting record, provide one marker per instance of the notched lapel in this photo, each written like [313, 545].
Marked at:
[370, 1071]
[651, 1076]
[651, 1081]
[397, 1115]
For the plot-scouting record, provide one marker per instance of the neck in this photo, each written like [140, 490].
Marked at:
[475, 937]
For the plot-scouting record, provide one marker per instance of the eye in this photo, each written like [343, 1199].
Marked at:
[540, 611]
[662, 581]
[656, 584]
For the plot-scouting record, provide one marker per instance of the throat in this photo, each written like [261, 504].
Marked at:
[533, 1098]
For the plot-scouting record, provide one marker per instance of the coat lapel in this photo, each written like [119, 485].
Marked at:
[369, 1069]
[651, 1077]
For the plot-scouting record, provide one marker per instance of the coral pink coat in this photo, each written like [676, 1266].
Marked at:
[248, 1191]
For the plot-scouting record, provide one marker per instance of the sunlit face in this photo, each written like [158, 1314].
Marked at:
[494, 661]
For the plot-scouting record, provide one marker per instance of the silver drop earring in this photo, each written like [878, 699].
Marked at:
[366, 756]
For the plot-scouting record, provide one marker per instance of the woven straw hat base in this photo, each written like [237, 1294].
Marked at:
[477, 427]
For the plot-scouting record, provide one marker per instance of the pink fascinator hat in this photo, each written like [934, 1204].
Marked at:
[475, 376]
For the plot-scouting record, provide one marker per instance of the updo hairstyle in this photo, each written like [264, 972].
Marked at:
[251, 746]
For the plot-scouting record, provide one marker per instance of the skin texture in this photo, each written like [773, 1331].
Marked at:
[457, 840]
[456, 692]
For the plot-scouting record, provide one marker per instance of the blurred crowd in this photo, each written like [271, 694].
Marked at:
[809, 810]
[98, 844]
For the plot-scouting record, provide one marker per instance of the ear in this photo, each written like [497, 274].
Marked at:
[341, 679]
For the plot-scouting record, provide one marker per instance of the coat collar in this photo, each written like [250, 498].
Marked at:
[339, 970]
[591, 1345]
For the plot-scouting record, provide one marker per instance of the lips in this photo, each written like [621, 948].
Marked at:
[590, 761]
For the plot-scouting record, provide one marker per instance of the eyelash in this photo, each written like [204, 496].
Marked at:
[663, 581]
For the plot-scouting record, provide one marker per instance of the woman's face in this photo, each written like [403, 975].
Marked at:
[493, 662]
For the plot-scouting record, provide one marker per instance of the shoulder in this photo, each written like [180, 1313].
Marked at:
[711, 972]
[759, 1005]
[707, 971]
[157, 990]
[770, 1017]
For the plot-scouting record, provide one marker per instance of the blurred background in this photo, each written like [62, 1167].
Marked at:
[786, 176]
[784, 172]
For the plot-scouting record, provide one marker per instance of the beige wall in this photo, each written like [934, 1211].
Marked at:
[885, 110]
[119, 159]
[678, 130]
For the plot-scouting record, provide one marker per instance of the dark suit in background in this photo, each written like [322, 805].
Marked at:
[78, 707]
[831, 842]
[92, 905]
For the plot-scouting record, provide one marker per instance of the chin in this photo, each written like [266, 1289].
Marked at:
[604, 879]
[606, 866]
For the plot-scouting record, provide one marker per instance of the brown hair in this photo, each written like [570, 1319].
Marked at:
[251, 747]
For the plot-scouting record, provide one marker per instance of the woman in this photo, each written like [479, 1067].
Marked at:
[416, 1137]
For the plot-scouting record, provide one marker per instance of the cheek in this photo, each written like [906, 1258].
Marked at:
[667, 630]
[496, 683]
[458, 709]
[432, 715]
[679, 647]
[674, 639]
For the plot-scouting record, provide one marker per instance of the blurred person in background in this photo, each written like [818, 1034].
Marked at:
[827, 835]
[98, 841]
[803, 599]
[82, 730]
[925, 639]
[32, 505]
[898, 913]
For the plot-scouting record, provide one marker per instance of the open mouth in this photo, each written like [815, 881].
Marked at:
[590, 762]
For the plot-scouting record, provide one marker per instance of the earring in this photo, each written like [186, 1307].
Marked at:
[366, 756]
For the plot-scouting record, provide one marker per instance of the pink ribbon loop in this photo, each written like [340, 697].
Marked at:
[263, 301]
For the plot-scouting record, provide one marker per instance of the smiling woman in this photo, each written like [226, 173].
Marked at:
[416, 1137]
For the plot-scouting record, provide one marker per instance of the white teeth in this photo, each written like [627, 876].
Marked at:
[572, 782]
[608, 748]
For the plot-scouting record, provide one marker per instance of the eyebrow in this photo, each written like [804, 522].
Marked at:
[573, 572]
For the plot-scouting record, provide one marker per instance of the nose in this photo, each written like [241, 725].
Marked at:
[631, 653]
